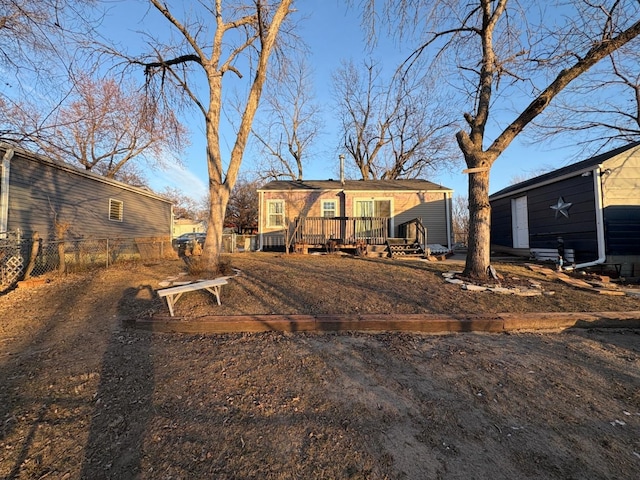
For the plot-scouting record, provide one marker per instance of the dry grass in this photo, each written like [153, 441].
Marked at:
[335, 284]
[83, 397]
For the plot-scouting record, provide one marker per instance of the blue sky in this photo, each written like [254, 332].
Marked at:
[333, 33]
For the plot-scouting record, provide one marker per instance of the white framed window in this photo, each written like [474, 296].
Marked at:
[116, 210]
[275, 213]
[372, 208]
[329, 209]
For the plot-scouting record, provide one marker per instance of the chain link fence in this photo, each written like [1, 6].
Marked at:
[21, 259]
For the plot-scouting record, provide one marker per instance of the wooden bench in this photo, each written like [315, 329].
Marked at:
[173, 294]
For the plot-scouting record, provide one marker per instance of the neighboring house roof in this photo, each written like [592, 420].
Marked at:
[142, 190]
[354, 185]
[576, 168]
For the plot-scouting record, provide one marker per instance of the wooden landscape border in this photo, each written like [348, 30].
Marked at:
[423, 323]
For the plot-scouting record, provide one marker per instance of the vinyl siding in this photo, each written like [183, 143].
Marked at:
[40, 193]
[621, 185]
[501, 227]
[433, 213]
[622, 230]
[578, 230]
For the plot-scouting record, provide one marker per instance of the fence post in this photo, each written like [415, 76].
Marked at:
[35, 245]
[107, 266]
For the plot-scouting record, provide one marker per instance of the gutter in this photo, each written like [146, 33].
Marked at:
[600, 239]
[4, 191]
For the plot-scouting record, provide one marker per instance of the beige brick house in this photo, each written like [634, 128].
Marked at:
[352, 212]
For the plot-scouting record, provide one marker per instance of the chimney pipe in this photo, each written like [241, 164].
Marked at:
[341, 157]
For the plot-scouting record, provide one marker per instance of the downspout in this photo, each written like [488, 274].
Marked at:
[260, 224]
[602, 255]
[447, 208]
[4, 192]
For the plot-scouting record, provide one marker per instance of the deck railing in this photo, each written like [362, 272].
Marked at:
[415, 230]
[345, 230]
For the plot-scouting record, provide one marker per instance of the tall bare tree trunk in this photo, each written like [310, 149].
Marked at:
[218, 194]
[219, 197]
[478, 242]
[479, 163]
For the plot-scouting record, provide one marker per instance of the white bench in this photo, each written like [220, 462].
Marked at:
[173, 294]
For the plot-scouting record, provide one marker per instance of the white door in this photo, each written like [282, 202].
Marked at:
[520, 222]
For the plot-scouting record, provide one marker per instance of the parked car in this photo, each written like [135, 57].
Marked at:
[188, 240]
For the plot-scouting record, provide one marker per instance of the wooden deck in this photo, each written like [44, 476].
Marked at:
[343, 231]
[353, 231]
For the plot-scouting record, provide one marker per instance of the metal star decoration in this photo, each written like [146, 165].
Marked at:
[561, 207]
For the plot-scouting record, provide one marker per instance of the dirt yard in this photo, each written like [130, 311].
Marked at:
[83, 395]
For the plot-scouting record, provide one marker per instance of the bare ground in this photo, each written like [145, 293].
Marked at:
[84, 396]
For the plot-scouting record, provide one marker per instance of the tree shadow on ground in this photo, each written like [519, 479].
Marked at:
[124, 398]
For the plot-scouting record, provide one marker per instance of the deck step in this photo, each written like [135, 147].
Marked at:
[405, 250]
[377, 251]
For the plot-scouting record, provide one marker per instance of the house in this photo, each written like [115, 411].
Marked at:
[591, 208]
[187, 225]
[353, 213]
[57, 200]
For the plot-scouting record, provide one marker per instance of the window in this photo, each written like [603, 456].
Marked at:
[373, 208]
[275, 213]
[329, 208]
[116, 209]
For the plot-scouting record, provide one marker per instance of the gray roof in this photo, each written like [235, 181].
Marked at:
[574, 167]
[352, 185]
[36, 157]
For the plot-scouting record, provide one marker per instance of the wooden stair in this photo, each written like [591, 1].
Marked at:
[377, 251]
[413, 249]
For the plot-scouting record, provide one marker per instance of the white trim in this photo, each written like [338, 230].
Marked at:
[5, 168]
[335, 207]
[520, 223]
[268, 213]
[115, 202]
[447, 208]
[602, 254]
[547, 182]
[260, 220]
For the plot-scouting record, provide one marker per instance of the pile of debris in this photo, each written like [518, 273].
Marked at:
[600, 284]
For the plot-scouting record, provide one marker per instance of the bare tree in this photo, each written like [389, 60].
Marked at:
[460, 219]
[30, 31]
[183, 205]
[217, 46]
[242, 210]
[35, 55]
[364, 121]
[291, 123]
[500, 50]
[391, 129]
[601, 110]
[103, 126]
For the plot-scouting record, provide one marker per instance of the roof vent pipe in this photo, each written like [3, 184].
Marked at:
[341, 157]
